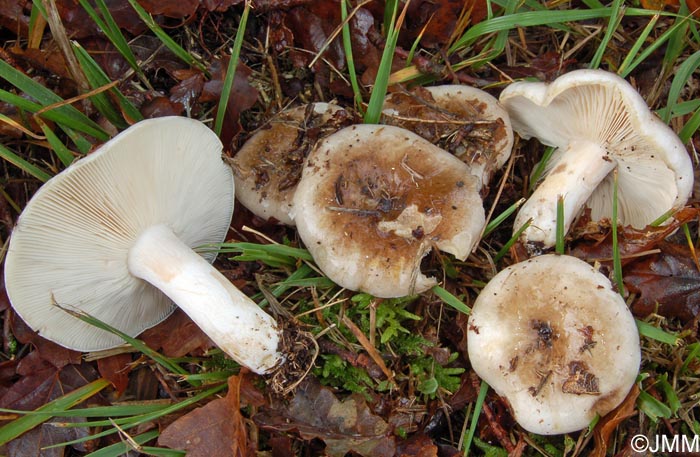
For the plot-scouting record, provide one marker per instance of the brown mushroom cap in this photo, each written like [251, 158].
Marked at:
[268, 166]
[551, 336]
[374, 200]
[463, 120]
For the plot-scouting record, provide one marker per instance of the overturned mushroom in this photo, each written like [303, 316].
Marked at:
[268, 166]
[463, 120]
[112, 236]
[598, 123]
[374, 200]
[551, 336]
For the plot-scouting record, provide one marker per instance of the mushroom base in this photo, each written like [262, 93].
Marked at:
[233, 321]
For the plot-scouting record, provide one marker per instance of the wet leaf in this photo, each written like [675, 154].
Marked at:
[177, 336]
[216, 428]
[116, 370]
[669, 279]
[343, 425]
[439, 19]
[608, 424]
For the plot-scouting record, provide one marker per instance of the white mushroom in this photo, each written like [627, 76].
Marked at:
[374, 200]
[268, 166]
[112, 236]
[598, 122]
[551, 336]
[465, 121]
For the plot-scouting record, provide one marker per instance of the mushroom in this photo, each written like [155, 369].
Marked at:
[465, 121]
[551, 336]
[598, 122]
[268, 166]
[112, 236]
[374, 200]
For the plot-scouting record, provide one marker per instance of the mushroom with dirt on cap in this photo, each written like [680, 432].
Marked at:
[598, 122]
[551, 336]
[463, 120]
[267, 168]
[374, 200]
[113, 236]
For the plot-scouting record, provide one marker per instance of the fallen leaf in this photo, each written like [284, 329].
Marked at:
[437, 20]
[116, 369]
[171, 8]
[343, 425]
[177, 336]
[669, 280]
[609, 423]
[216, 428]
[418, 445]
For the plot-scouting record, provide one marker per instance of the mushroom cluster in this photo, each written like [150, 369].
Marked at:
[370, 202]
[113, 236]
[598, 123]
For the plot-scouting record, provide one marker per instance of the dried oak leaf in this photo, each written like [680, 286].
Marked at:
[670, 280]
[216, 428]
[343, 425]
[177, 336]
[437, 19]
[171, 8]
[608, 424]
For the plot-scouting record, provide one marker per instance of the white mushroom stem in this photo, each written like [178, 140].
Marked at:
[232, 320]
[575, 176]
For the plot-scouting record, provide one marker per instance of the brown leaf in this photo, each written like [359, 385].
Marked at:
[171, 8]
[14, 17]
[669, 280]
[177, 336]
[343, 425]
[116, 370]
[609, 423]
[56, 355]
[216, 428]
[418, 445]
[438, 19]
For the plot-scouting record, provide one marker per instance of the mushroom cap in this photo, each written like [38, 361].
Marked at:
[551, 336]
[465, 121]
[655, 173]
[372, 202]
[71, 242]
[268, 166]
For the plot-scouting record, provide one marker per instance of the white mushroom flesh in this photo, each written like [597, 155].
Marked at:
[594, 107]
[374, 200]
[551, 336]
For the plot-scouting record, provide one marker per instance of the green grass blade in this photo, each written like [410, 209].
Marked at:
[690, 127]
[347, 47]
[62, 114]
[504, 250]
[144, 418]
[616, 14]
[381, 82]
[109, 27]
[19, 426]
[9, 156]
[560, 232]
[541, 167]
[95, 411]
[451, 300]
[120, 449]
[634, 50]
[62, 152]
[165, 38]
[97, 79]
[497, 221]
[656, 334]
[137, 344]
[617, 262]
[680, 80]
[478, 405]
[231, 70]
